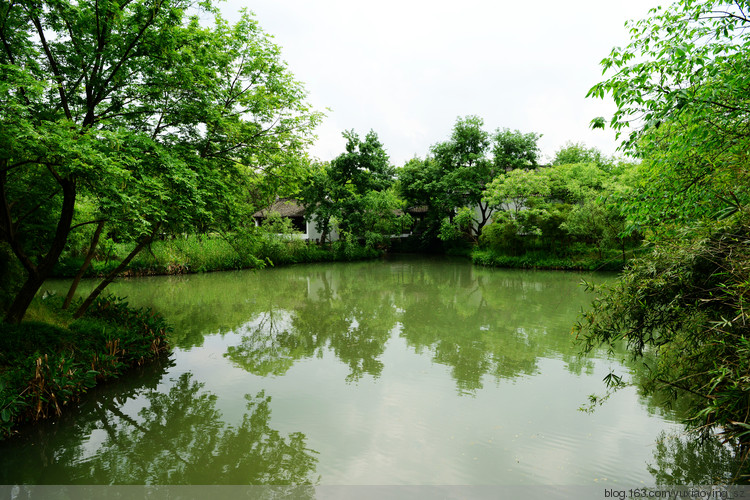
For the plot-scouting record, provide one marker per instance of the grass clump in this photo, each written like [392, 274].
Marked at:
[44, 366]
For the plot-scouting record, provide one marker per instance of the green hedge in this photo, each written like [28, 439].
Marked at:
[544, 261]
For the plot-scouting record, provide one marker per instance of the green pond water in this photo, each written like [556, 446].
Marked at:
[410, 370]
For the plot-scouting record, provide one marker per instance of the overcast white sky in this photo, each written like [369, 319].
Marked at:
[408, 68]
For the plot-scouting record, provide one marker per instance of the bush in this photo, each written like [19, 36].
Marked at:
[542, 260]
[502, 235]
[43, 367]
[253, 248]
[685, 304]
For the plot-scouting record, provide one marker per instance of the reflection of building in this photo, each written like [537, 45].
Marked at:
[294, 210]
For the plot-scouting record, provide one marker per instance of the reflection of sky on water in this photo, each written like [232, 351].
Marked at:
[411, 426]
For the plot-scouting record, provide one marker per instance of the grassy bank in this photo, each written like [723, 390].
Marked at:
[199, 253]
[50, 361]
[541, 260]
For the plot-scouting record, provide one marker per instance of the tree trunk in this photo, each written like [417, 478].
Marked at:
[40, 272]
[86, 262]
[486, 213]
[113, 274]
[23, 299]
[324, 235]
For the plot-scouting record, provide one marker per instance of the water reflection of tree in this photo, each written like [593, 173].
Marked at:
[41, 454]
[686, 461]
[178, 437]
[492, 322]
[335, 314]
[479, 322]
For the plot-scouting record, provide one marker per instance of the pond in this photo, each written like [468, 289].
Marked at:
[410, 370]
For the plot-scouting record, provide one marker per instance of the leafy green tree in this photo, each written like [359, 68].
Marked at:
[577, 152]
[451, 182]
[382, 215]
[461, 227]
[560, 205]
[417, 186]
[463, 170]
[574, 183]
[517, 189]
[513, 149]
[588, 223]
[680, 85]
[453, 177]
[354, 192]
[415, 180]
[680, 88]
[315, 194]
[685, 303]
[164, 122]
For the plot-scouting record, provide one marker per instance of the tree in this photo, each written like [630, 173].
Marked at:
[681, 86]
[577, 182]
[417, 186]
[462, 167]
[685, 303]
[517, 189]
[457, 173]
[513, 149]
[354, 192]
[164, 123]
[557, 205]
[577, 152]
[459, 170]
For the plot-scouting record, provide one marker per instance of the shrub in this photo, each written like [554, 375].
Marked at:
[43, 367]
[685, 303]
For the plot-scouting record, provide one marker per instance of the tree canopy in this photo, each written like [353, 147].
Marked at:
[680, 86]
[459, 170]
[159, 120]
[354, 193]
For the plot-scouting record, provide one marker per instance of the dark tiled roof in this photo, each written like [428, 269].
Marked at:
[285, 207]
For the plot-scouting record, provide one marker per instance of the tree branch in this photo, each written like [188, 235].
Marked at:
[113, 274]
[53, 64]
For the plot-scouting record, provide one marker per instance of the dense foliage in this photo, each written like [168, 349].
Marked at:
[559, 212]
[685, 304]
[156, 121]
[44, 367]
[353, 195]
[681, 87]
[450, 182]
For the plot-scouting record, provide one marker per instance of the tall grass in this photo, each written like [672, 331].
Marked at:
[46, 366]
[202, 253]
